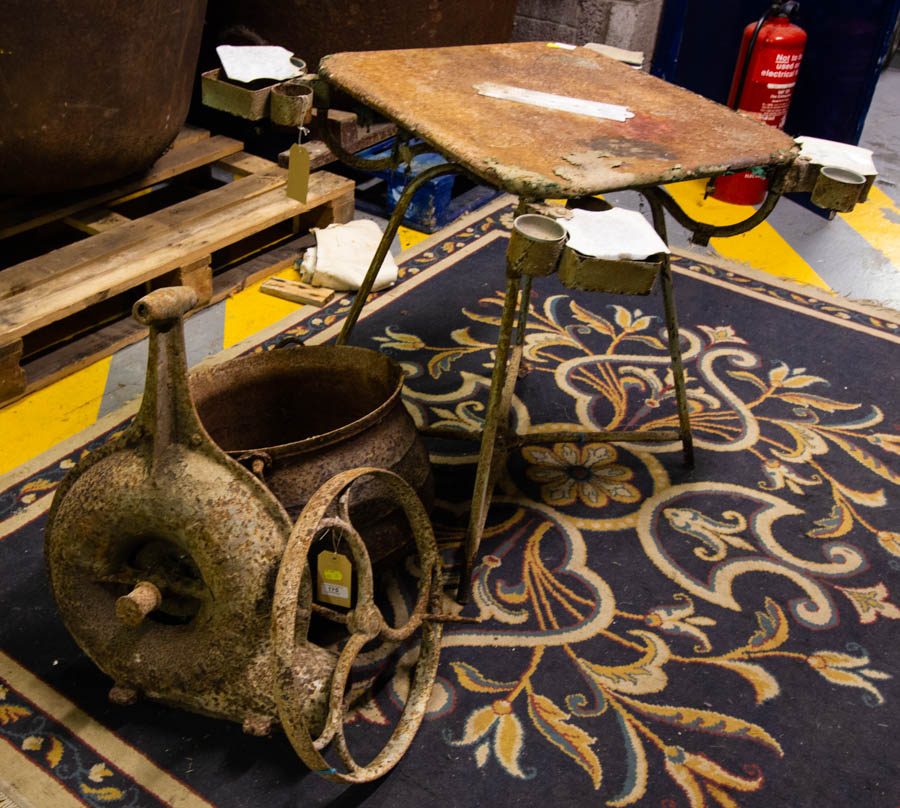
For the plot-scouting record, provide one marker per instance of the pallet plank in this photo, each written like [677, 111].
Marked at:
[32, 212]
[183, 214]
[96, 220]
[66, 260]
[167, 249]
[187, 135]
[242, 164]
[28, 275]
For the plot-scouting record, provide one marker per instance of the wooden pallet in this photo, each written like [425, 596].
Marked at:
[63, 309]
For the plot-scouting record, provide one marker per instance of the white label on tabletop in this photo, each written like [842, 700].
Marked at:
[565, 103]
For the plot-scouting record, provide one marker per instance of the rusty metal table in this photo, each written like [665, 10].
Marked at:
[538, 153]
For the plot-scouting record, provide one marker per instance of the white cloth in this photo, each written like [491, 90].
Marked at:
[840, 155]
[250, 62]
[614, 234]
[342, 256]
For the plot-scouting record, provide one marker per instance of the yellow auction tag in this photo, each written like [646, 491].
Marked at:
[334, 576]
[298, 173]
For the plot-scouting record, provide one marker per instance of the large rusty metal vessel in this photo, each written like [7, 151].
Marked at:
[313, 29]
[180, 573]
[297, 415]
[92, 91]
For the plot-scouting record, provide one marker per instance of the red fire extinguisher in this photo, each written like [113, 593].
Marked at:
[764, 79]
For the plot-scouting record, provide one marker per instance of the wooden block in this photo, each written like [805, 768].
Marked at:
[341, 123]
[338, 211]
[197, 275]
[96, 220]
[12, 377]
[297, 292]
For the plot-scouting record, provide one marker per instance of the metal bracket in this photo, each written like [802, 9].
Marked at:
[702, 232]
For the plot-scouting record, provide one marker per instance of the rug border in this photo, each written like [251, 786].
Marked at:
[870, 308]
[33, 789]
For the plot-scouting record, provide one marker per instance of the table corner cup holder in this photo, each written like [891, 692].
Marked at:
[286, 103]
[838, 189]
[538, 247]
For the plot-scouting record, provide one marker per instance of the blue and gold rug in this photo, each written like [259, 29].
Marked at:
[650, 635]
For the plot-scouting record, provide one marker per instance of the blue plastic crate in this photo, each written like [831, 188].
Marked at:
[434, 205]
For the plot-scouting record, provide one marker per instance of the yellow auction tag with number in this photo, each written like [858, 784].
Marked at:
[298, 173]
[334, 577]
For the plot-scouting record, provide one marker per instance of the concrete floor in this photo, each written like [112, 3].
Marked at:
[855, 254]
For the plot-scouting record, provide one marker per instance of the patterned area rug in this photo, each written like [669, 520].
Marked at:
[649, 635]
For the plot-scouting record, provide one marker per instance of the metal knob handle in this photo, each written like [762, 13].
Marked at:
[132, 608]
[164, 305]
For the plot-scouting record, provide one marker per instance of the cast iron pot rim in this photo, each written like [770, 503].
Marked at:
[286, 450]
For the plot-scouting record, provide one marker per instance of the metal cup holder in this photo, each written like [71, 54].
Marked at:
[626, 277]
[535, 245]
[838, 188]
[290, 103]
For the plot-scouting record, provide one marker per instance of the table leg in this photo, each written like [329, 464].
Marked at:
[385, 244]
[485, 476]
[687, 442]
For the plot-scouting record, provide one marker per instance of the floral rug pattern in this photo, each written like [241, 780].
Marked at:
[784, 425]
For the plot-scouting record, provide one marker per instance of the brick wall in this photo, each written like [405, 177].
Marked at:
[629, 24]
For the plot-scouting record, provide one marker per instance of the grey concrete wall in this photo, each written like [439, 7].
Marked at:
[629, 24]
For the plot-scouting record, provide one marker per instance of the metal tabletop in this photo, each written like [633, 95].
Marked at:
[540, 153]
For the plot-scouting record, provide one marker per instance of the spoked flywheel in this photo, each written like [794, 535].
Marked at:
[329, 509]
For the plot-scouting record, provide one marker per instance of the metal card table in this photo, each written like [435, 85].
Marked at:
[538, 153]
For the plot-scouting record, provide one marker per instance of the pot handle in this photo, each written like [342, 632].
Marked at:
[291, 339]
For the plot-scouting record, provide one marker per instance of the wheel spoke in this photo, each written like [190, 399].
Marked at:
[335, 718]
[343, 752]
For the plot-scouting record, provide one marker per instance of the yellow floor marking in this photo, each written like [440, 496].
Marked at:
[409, 237]
[876, 221]
[250, 310]
[761, 248]
[44, 418]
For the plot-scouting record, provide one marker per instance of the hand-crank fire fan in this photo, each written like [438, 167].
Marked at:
[178, 570]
